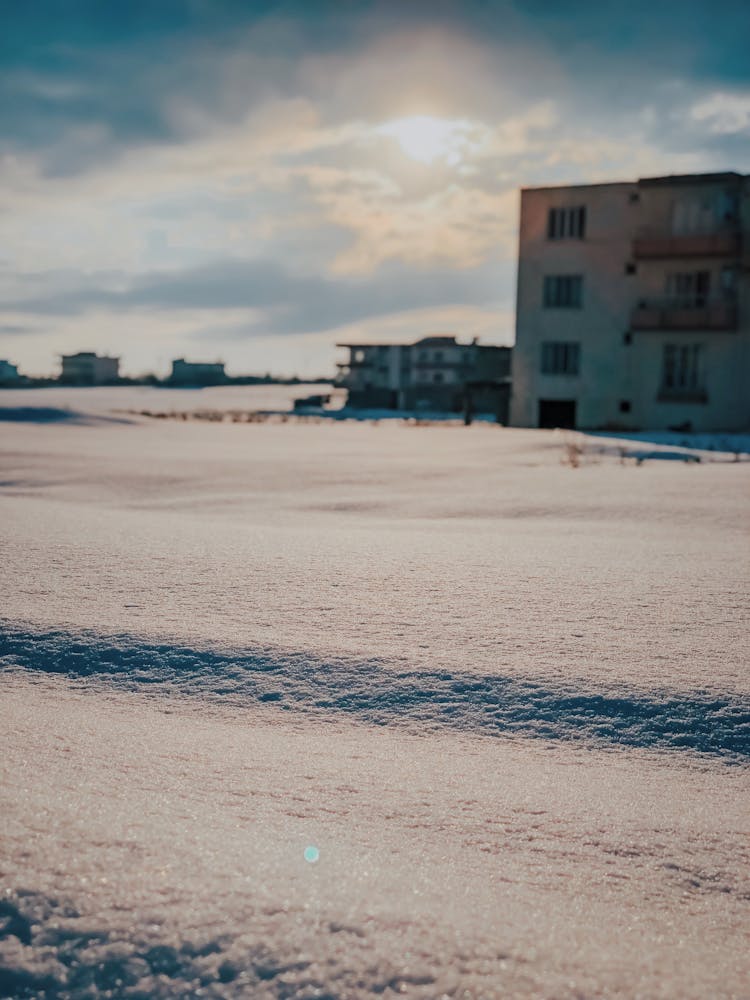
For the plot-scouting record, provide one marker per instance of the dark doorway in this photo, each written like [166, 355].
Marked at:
[557, 413]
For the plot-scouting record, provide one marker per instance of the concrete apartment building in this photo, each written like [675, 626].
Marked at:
[88, 368]
[633, 305]
[436, 373]
[197, 372]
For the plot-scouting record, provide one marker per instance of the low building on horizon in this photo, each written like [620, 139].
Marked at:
[436, 374]
[89, 368]
[633, 305]
[197, 372]
[9, 373]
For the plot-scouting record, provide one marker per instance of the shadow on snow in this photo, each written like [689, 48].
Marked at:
[375, 693]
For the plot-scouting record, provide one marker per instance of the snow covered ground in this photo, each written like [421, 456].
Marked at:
[501, 704]
[118, 401]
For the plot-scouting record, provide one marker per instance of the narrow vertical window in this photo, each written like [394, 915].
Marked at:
[566, 223]
[682, 370]
[561, 357]
[689, 289]
[563, 291]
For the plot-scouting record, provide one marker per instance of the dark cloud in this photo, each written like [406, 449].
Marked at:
[290, 303]
[15, 329]
[81, 80]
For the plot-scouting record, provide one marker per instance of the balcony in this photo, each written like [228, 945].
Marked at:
[656, 245]
[681, 395]
[682, 314]
[355, 365]
[443, 365]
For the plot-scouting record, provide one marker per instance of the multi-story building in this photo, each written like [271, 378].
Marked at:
[197, 372]
[375, 375]
[437, 373]
[88, 368]
[633, 306]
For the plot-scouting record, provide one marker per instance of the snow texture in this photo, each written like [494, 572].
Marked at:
[501, 699]
[368, 690]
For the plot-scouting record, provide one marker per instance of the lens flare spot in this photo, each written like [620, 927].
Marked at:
[311, 854]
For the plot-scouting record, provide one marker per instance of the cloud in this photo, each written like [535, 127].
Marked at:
[16, 329]
[456, 225]
[280, 302]
[723, 113]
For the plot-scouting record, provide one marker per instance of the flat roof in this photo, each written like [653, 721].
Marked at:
[87, 354]
[436, 339]
[666, 179]
[570, 187]
[386, 343]
[727, 175]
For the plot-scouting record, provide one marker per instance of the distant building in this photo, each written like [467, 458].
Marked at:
[437, 373]
[633, 306]
[88, 368]
[8, 372]
[197, 372]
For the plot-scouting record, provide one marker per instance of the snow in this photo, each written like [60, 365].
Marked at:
[347, 709]
[104, 400]
[729, 443]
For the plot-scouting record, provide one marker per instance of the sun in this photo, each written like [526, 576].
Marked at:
[429, 139]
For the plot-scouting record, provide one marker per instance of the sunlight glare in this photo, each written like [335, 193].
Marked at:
[429, 139]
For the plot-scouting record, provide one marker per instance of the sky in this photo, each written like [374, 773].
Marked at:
[254, 182]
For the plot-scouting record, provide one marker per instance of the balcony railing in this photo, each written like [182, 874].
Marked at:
[348, 365]
[722, 244]
[685, 314]
[454, 365]
[672, 395]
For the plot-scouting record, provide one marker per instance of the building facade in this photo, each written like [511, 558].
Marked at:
[633, 305]
[88, 368]
[435, 374]
[197, 372]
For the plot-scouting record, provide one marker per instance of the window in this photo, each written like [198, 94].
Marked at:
[561, 357]
[625, 406]
[694, 215]
[730, 206]
[563, 291]
[438, 356]
[437, 377]
[566, 223]
[630, 268]
[627, 338]
[728, 282]
[682, 372]
[689, 289]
